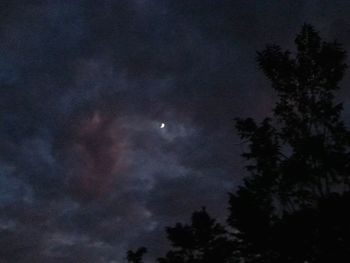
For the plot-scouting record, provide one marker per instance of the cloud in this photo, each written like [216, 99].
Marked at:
[85, 171]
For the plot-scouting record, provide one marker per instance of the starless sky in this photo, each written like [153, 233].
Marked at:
[86, 172]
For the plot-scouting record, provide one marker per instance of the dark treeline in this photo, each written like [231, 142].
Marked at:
[293, 207]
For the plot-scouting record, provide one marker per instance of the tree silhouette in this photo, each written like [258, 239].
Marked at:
[203, 241]
[136, 257]
[288, 208]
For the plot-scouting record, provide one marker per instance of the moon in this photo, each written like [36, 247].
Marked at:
[162, 126]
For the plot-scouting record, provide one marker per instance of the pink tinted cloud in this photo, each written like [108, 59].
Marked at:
[98, 150]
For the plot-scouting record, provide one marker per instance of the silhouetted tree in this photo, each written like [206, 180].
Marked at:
[137, 256]
[288, 208]
[203, 241]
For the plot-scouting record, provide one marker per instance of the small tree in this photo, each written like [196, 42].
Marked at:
[137, 256]
[203, 241]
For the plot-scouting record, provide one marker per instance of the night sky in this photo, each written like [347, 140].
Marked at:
[86, 171]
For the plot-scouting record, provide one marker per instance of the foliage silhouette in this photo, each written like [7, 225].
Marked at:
[293, 207]
[288, 209]
[204, 240]
[136, 257]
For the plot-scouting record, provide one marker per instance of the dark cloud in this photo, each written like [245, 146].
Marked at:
[85, 170]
